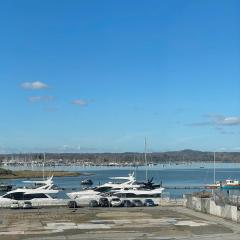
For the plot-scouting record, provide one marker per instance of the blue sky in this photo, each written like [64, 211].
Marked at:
[95, 76]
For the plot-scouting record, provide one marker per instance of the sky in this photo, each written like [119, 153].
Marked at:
[100, 76]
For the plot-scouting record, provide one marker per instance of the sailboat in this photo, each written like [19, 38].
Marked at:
[215, 184]
[228, 184]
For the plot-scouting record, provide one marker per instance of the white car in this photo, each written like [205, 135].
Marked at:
[14, 205]
[115, 202]
[27, 205]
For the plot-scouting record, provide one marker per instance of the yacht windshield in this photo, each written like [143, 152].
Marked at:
[23, 196]
[102, 189]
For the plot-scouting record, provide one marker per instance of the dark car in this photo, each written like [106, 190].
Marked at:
[127, 203]
[103, 202]
[93, 203]
[72, 204]
[137, 203]
[149, 203]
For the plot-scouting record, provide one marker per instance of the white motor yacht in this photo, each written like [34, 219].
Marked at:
[125, 190]
[85, 196]
[41, 194]
[140, 193]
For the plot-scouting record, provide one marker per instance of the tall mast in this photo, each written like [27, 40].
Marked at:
[145, 157]
[214, 164]
[44, 165]
[135, 166]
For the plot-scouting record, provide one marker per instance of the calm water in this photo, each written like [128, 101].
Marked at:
[197, 174]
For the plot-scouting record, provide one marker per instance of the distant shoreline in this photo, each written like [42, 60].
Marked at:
[121, 159]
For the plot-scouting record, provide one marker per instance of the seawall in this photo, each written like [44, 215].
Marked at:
[209, 206]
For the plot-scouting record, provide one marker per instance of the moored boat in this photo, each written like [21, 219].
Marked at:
[5, 187]
[87, 182]
[231, 184]
[41, 193]
[128, 189]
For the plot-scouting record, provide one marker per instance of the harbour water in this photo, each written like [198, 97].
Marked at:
[172, 175]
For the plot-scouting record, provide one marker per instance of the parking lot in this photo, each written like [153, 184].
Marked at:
[113, 223]
[112, 202]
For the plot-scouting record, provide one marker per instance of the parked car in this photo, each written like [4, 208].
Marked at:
[137, 203]
[14, 205]
[115, 202]
[103, 202]
[149, 203]
[27, 205]
[127, 203]
[93, 203]
[72, 204]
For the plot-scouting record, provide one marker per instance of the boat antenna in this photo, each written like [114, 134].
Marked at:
[145, 157]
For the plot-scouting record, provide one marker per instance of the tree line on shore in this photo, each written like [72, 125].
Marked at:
[129, 157]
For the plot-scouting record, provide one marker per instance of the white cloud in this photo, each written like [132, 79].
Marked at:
[222, 120]
[34, 85]
[80, 102]
[40, 98]
[218, 120]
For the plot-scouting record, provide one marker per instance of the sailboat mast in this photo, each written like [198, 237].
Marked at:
[44, 157]
[214, 165]
[145, 157]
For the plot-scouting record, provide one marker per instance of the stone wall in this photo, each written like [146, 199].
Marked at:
[208, 205]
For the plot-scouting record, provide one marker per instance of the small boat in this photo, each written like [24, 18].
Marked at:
[227, 184]
[87, 182]
[5, 187]
[231, 184]
[213, 185]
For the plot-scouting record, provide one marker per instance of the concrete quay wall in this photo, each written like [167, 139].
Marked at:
[208, 205]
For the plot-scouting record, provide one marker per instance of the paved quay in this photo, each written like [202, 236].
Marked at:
[163, 223]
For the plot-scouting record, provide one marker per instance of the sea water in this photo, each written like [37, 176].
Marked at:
[169, 175]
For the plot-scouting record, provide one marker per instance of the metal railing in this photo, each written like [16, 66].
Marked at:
[222, 198]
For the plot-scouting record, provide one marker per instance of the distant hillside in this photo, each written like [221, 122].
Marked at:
[127, 157]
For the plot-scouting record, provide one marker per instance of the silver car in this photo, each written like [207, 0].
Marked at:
[115, 202]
